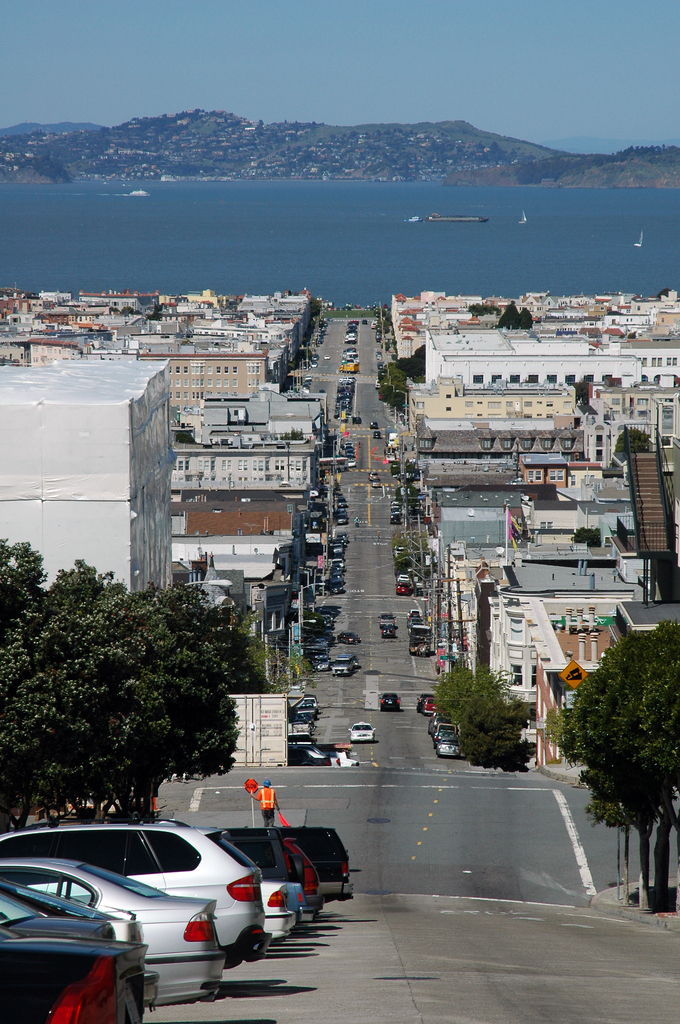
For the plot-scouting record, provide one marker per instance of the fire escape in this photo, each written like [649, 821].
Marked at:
[652, 536]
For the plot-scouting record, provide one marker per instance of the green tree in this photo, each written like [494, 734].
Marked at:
[587, 535]
[413, 366]
[639, 441]
[526, 321]
[21, 580]
[103, 693]
[510, 318]
[457, 688]
[484, 309]
[621, 728]
[491, 733]
[582, 392]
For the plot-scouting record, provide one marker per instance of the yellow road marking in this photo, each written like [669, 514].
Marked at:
[413, 858]
[430, 814]
[425, 828]
[437, 801]
[420, 842]
[369, 513]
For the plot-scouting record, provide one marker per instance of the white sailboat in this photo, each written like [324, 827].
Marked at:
[524, 218]
[638, 245]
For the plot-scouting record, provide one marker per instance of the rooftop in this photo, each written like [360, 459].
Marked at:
[69, 382]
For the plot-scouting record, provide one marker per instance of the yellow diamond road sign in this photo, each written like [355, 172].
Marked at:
[573, 674]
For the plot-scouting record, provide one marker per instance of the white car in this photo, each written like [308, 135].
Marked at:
[342, 760]
[326, 357]
[362, 732]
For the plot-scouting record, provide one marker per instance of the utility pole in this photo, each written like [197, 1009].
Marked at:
[459, 618]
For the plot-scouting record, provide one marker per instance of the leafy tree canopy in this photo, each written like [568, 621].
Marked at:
[491, 733]
[587, 535]
[639, 441]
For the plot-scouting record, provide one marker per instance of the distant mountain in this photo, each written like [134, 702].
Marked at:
[635, 167]
[209, 145]
[588, 144]
[26, 127]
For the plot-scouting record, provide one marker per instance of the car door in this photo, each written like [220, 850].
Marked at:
[179, 861]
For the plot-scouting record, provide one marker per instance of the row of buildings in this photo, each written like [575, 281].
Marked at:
[523, 438]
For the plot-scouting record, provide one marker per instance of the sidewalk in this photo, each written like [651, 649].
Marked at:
[606, 903]
[562, 772]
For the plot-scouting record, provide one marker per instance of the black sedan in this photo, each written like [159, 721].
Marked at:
[390, 702]
[349, 638]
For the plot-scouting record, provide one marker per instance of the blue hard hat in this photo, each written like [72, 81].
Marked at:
[267, 782]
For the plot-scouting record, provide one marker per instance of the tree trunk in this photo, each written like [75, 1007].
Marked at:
[645, 832]
[626, 865]
[662, 851]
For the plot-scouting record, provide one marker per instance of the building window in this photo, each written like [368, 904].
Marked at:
[494, 405]
[567, 443]
[176, 369]
[528, 405]
[556, 475]
[507, 444]
[495, 377]
[588, 378]
[552, 378]
[546, 444]
[527, 444]
[477, 378]
[570, 378]
[516, 630]
[426, 443]
[599, 439]
[598, 455]
[487, 443]
[448, 408]
[180, 464]
[420, 405]
[514, 378]
[469, 405]
[218, 369]
[532, 378]
[644, 360]
[448, 396]
[516, 673]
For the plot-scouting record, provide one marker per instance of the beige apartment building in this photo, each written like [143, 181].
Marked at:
[448, 398]
[194, 376]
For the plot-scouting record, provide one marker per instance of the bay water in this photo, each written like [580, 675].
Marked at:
[345, 241]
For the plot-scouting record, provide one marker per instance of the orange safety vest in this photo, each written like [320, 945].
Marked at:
[267, 798]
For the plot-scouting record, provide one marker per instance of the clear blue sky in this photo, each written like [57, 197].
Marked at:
[535, 69]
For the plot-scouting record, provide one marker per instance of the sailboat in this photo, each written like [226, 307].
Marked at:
[638, 245]
[524, 218]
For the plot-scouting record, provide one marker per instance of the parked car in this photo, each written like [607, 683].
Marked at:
[428, 707]
[179, 931]
[173, 857]
[309, 704]
[421, 701]
[309, 902]
[70, 980]
[264, 847]
[361, 732]
[349, 638]
[327, 853]
[435, 721]
[390, 702]
[336, 588]
[303, 755]
[26, 915]
[448, 746]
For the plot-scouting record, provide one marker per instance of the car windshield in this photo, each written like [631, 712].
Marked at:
[139, 888]
[361, 727]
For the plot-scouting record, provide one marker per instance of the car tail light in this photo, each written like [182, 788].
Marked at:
[345, 867]
[276, 899]
[200, 929]
[244, 890]
[311, 883]
[90, 1001]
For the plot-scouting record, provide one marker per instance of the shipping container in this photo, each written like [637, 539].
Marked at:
[263, 730]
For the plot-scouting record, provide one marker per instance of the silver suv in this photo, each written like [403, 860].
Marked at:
[171, 856]
[344, 665]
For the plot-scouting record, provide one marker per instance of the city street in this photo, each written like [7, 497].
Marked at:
[472, 887]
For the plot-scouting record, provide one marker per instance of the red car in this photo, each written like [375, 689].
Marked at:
[428, 707]
[404, 590]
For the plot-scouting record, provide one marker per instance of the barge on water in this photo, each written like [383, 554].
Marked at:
[456, 219]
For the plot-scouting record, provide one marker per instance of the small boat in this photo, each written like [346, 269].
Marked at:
[524, 218]
[638, 245]
[437, 218]
[413, 220]
[138, 192]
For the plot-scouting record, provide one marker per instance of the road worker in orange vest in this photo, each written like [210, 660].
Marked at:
[266, 797]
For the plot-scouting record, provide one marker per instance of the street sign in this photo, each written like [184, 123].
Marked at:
[250, 785]
[573, 675]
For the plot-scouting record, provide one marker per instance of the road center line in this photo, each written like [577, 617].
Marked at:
[579, 852]
[196, 799]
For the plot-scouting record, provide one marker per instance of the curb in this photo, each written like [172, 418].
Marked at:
[558, 776]
[601, 906]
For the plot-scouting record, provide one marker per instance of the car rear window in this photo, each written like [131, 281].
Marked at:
[173, 852]
[260, 851]
[237, 855]
[320, 845]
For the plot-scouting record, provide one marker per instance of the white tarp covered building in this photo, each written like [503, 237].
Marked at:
[87, 465]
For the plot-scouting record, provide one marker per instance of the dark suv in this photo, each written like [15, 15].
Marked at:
[325, 849]
[390, 702]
